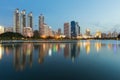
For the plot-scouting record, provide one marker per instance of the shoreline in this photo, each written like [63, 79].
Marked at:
[47, 41]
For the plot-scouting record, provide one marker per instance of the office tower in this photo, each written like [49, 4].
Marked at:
[59, 31]
[88, 32]
[67, 30]
[23, 20]
[2, 29]
[73, 29]
[17, 21]
[78, 29]
[30, 20]
[41, 25]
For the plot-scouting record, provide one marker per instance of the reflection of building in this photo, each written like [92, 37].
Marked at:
[67, 50]
[1, 29]
[98, 46]
[43, 51]
[67, 30]
[21, 54]
[87, 46]
[27, 32]
[75, 51]
[1, 51]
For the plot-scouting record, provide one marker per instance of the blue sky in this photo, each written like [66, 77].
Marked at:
[101, 15]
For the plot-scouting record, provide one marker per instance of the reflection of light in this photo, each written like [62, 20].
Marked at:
[50, 52]
[115, 48]
[87, 46]
[62, 45]
[73, 59]
[88, 49]
[98, 46]
[109, 46]
[1, 52]
[28, 51]
[44, 47]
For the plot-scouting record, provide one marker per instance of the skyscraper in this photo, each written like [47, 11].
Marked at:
[75, 29]
[41, 25]
[23, 20]
[17, 21]
[67, 30]
[59, 31]
[30, 20]
[78, 29]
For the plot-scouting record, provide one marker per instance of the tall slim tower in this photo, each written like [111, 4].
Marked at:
[41, 25]
[23, 20]
[67, 30]
[17, 21]
[73, 29]
[30, 20]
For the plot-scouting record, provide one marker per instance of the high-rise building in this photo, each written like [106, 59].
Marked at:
[1, 29]
[59, 31]
[17, 21]
[23, 20]
[78, 29]
[30, 20]
[41, 25]
[88, 32]
[75, 29]
[67, 30]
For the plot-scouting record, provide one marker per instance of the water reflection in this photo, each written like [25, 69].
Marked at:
[24, 53]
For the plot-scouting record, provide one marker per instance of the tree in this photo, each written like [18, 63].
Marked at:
[36, 34]
[119, 36]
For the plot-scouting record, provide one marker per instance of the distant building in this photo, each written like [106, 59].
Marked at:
[114, 34]
[78, 29]
[1, 29]
[41, 25]
[17, 21]
[98, 34]
[67, 30]
[103, 35]
[87, 32]
[28, 32]
[8, 29]
[30, 20]
[59, 31]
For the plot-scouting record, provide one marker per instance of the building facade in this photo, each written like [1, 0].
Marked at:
[75, 29]
[28, 32]
[41, 25]
[30, 20]
[17, 21]
[1, 29]
[23, 20]
[8, 29]
[67, 30]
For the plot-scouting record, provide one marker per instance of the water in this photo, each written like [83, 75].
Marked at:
[80, 60]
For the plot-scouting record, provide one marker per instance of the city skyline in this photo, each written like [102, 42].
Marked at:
[95, 15]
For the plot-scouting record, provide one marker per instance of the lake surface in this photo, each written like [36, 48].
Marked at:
[80, 60]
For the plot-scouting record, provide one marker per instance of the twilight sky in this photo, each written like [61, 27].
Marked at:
[103, 15]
